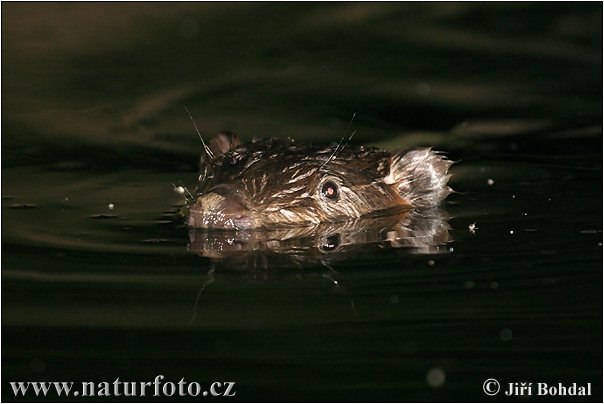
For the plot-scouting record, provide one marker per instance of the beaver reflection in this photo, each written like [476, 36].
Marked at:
[416, 232]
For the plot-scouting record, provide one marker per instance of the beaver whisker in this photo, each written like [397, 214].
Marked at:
[205, 147]
[351, 135]
[335, 152]
[332, 154]
[346, 144]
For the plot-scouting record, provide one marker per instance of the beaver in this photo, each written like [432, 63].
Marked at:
[276, 182]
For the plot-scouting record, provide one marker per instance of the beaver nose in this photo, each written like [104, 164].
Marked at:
[220, 210]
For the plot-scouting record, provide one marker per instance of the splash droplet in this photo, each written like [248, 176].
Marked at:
[436, 377]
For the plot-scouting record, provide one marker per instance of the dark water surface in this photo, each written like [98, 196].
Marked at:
[93, 100]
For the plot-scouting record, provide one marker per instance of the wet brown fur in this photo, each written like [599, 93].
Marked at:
[276, 182]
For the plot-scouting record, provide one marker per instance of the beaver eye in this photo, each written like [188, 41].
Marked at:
[330, 190]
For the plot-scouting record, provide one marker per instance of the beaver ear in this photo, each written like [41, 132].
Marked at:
[224, 142]
[420, 176]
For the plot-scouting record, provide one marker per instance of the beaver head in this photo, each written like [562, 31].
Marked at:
[274, 182]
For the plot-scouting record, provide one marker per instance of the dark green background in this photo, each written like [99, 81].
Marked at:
[93, 100]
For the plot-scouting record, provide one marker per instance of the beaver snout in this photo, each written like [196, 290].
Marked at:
[220, 209]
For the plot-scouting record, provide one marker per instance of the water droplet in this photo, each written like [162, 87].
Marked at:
[436, 377]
